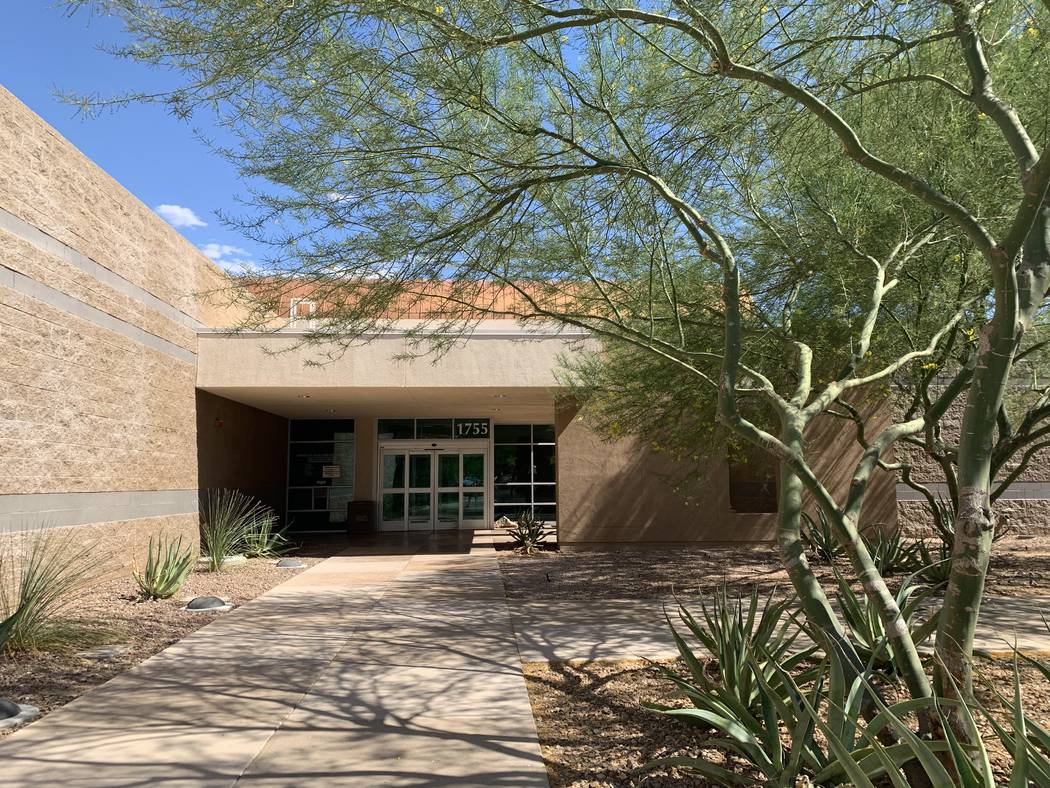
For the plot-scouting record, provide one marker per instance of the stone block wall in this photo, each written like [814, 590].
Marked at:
[100, 305]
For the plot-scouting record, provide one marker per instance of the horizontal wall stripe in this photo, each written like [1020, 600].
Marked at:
[54, 510]
[1017, 491]
[54, 247]
[56, 298]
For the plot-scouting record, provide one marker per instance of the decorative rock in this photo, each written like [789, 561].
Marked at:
[208, 604]
[8, 709]
[23, 715]
[230, 560]
[290, 563]
[504, 522]
[105, 652]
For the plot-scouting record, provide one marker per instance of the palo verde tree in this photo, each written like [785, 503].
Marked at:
[588, 157]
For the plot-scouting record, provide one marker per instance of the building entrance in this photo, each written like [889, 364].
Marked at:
[432, 486]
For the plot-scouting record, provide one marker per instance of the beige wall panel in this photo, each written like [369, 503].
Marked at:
[243, 448]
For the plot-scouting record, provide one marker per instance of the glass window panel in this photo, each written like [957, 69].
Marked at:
[473, 470]
[474, 429]
[544, 493]
[543, 456]
[397, 429]
[320, 498]
[474, 506]
[547, 514]
[513, 433]
[448, 470]
[419, 507]
[313, 521]
[517, 493]
[448, 508]
[543, 433]
[338, 502]
[419, 470]
[512, 464]
[305, 463]
[434, 429]
[393, 507]
[300, 499]
[320, 429]
[393, 471]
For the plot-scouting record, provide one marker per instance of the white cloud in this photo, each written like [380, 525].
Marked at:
[179, 216]
[228, 257]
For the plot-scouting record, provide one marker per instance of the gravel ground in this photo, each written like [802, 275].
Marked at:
[594, 731]
[1019, 567]
[49, 680]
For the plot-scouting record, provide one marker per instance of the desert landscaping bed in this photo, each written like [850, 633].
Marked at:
[139, 629]
[1019, 567]
[594, 731]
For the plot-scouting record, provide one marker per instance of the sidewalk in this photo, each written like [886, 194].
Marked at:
[361, 671]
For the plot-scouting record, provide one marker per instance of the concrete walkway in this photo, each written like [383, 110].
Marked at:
[361, 671]
[577, 629]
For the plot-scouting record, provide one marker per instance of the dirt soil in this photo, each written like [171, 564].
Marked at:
[50, 680]
[594, 731]
[1019, 567]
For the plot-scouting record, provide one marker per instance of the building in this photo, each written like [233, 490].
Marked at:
[123, 397]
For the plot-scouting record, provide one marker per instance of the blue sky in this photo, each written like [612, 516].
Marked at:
[156, 157]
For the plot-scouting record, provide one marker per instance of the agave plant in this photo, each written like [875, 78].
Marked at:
[818, 537]
[528, 534]
[226, 519]
[166, 570]
[263, 539]
[892, 554]
[937, 563]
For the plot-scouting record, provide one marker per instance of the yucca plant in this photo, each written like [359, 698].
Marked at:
[528, 534]
[166, 570]
[818, 537]
[226, 518]
[40, 575]
[263, 539]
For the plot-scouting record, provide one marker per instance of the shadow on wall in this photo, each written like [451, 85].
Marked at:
[623, 492]
[241, 447]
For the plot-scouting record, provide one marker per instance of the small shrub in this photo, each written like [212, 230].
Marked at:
[818, 538]
[41, 573]
[226, 519]
[528, 534]
[264, 539]
[166, 570]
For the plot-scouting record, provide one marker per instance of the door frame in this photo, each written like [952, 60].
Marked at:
[434, 447]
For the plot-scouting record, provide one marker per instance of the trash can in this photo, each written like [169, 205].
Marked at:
[361, 517]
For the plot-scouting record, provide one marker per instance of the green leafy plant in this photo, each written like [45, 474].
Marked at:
[226, 519]
[891, 553]
[818, 537]
[42, 572]
[936, 561]
[528, 534]
[166, 570]
[263, 539]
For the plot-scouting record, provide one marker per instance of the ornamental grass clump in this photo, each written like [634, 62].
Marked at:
[228, 519]
[41, 573]
[263, 538]
[167, 568]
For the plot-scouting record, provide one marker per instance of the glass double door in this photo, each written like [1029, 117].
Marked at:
[432, 489]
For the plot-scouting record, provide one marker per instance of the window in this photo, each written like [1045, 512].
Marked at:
[302, 309]
[432, 429]
[321, 466]
[525, 478]
[752, 481]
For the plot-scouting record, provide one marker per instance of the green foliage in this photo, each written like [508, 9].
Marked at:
[892, 553]
[167, 568]
[528, 534]
[41, 573]
[818, 538]
[7, 626]
[228, 518]
[263, 539]
[936, 563]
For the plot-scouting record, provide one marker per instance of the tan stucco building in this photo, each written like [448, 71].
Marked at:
[123, 397]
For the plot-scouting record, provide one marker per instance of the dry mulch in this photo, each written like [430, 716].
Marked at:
[1019, 567]
[49, 680]
[594, 731]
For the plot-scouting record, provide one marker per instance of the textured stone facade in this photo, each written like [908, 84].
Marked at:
[100, 303]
